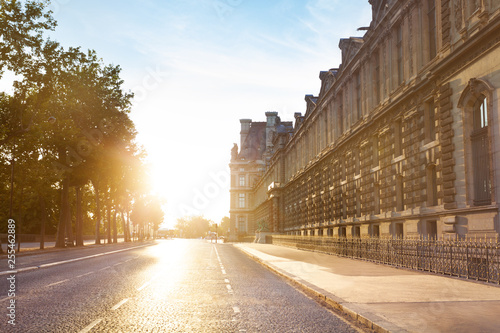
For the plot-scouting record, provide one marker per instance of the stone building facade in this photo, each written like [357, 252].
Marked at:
[403, 138]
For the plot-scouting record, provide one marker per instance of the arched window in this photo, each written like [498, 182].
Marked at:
[475, 102]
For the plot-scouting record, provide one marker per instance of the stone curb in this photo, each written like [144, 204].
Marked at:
[371, 321]
[26, 269]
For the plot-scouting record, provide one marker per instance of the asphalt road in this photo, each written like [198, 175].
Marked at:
[173, 286]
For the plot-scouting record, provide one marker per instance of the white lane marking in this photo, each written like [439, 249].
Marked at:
[144, 286]
[85, 274]
[56, 283]
[70, 260]
[91, 326]
[223, 270]
[236, 309]
[114, 308]
[229, 289]
[104, 268]
[148, 283]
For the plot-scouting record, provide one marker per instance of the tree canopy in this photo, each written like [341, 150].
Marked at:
[193, 226]
[68, 155]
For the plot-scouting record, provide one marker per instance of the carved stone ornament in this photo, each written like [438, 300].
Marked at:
[474, 86]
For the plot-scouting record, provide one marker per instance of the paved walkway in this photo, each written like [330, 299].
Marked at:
[33, 246]
[387, 298]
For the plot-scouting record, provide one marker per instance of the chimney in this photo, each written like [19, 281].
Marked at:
[271, 126]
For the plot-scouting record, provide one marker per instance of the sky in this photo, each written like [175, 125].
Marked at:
[199, 66]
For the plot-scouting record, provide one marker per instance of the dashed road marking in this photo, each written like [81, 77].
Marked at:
[223, 270]
[79, 276]
[104, 268]
[114, 308]
[144, 286]
[91, 326]
[56, 283]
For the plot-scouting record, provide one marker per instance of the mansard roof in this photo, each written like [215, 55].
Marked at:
[327, 79]
[311, 104]
[255, 142]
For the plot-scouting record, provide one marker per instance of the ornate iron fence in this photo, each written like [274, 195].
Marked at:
[476, 259]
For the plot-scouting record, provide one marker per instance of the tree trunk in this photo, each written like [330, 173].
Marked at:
[108, 217]
[128, 224]
[20, 220]
[98, 217]
[115, 231]
[63, 215]
[43, 214]
[69, 226]
[79, 217]
[124, 226]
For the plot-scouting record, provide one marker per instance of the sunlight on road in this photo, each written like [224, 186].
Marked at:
[170, 268]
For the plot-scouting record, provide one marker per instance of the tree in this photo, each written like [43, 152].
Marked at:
[65, 126]
[147, 214]
[193, 226]
[224, 226]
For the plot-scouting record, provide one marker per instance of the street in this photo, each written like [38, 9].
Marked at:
[170, 286]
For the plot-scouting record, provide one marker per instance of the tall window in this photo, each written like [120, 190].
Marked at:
[340, 116]
[376, 78]
[431, 18]
[242, 180]
[375, 158]
[399, 193]
[242, 227]
[399, 50]
[358, 96]
[357, 161]
[398, 138]
[242, 201]
[358, 202]
[430, 121]
[480, 154]
[432, 199]
[376, 199]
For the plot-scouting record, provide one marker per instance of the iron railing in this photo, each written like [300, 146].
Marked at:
[477, 259]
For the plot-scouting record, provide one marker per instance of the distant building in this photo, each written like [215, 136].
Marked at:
[403, 138]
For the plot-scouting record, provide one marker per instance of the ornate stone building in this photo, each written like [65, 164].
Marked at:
[403, 138]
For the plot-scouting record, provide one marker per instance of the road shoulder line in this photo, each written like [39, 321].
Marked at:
[26, 269]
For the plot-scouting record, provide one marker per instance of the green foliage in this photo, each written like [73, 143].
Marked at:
[147, 211]
[193, 226]
[65, 126]
[224, 225]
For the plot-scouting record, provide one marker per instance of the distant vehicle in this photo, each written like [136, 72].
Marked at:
[164, 233]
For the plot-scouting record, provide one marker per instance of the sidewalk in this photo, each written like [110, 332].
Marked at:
[34, 246]
[386, 298]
